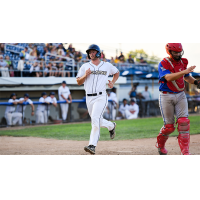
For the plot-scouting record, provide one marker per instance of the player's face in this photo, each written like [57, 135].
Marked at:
[92, 54]
[176, 55]
[52, 96]
[14, 97]
[25, 98]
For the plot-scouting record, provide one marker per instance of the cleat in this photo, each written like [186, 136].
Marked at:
[90, 149]
[113, 133]
[162, 151]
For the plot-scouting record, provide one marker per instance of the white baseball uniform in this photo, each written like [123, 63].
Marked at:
[64, 106]
[41, 113]
[50, 100]
[19, 108]
[129, 115]
[113, 97]
[95, 84]
[123, 108]
[11, 114]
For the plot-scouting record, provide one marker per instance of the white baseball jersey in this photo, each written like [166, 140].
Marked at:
[134, 107]
[113, 97]
[146, 95]
[12, 107]
[19, 107]
[41, 107]
[51, 100]
[96, 81]
[63, 91]
[122, 108]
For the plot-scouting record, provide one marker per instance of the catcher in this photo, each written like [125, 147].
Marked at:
[172, 99]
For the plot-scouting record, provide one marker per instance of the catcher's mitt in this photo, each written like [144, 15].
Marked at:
[197, 82]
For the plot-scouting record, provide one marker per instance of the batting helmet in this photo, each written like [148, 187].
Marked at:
[94, 47]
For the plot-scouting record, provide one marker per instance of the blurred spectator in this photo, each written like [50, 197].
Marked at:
[72, 54]
[146, 94]
[112, 60]
[46, 70]
[70, 48]
[20, 66]
[124, 106]
[142, 61]
[139, 96]
[10, 113]
[102, 55]
[21, 109]
[132, 111]
[41, 113]
[10, 66]
[132, 94]
[54, 50]
[45, 51]
[61, 72]
[82, 110]
[116, 60]
[1, 47]
[49, 47]
[130, 60]
[25, 52]
[54, 68]
[4, 67]
[34, 70]
[121, 57]
[77, 56]
[33, 54]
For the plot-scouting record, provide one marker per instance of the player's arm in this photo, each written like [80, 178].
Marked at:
[189, 79]
[115, 77]
[81, 80]
[177, 75]
[70, 97]
[33, 108]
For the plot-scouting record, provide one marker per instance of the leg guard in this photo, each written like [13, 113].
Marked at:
[184, 135]
[163, 137]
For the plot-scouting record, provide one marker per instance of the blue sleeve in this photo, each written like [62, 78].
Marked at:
[162, 72]
[186, 75]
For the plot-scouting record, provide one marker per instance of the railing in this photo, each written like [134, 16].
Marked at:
[71, 117]
[75, 66]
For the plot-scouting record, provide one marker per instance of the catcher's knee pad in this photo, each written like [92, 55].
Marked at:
[167, 129]
[183, 125]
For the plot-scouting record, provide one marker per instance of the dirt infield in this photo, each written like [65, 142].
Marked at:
[40, 146]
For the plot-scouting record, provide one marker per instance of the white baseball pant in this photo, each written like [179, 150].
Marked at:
[96, 106]
[129, 115]
[64, 110]
[41, 117]
[16, 116]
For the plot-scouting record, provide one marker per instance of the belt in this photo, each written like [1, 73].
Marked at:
[167, 92]
[95, 94]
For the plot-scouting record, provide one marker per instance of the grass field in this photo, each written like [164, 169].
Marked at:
[126, 130]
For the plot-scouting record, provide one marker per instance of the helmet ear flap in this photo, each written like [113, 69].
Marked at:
[98, 54]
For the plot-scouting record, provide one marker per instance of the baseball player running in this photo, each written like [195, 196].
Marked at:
[172, 100]
[10, 113]
[94, 76]
[19, 107]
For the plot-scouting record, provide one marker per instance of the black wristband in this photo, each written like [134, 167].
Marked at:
[196, 82]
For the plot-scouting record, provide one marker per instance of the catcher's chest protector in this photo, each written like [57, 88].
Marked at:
[174, 67]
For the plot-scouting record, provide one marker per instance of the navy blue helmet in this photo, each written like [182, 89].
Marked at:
[94, 47]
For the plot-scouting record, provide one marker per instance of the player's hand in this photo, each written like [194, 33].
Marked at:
[88, 72]
[190, 69]
[110, 84]
[32, 113]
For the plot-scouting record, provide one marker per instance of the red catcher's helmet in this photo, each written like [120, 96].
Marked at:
[177, 47]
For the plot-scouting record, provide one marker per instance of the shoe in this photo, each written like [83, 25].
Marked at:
[90, 149]
[113, 133]
[162, 151]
